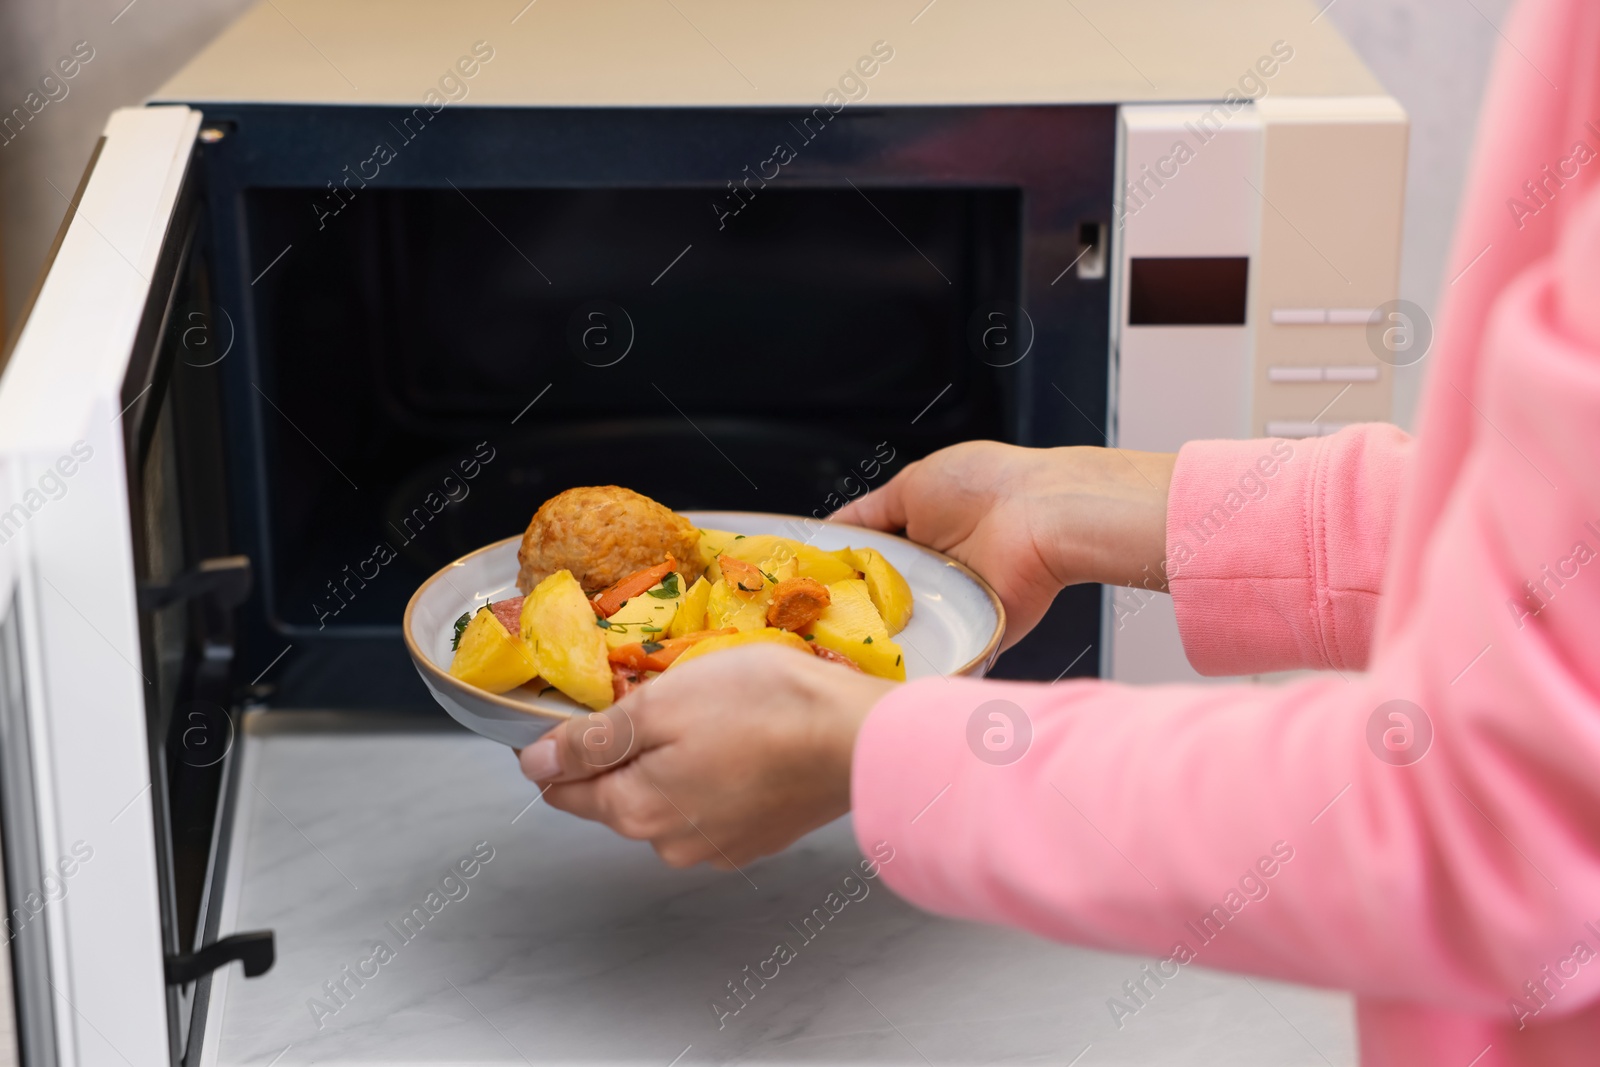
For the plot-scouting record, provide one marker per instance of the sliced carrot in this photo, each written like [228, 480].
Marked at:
[797, 603]
[746, 577]
[631, 656]
[674, 647]
[609, 601]
[634, 656]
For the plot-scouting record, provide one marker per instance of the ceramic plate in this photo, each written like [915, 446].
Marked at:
[955, 628]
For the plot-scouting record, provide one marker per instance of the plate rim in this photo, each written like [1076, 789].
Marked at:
[439, 676]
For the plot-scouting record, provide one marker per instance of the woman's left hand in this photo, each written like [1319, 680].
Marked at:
[724, 760]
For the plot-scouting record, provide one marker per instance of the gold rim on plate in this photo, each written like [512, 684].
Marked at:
[441, 677]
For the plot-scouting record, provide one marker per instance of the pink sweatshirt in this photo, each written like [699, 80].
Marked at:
[1445, 864]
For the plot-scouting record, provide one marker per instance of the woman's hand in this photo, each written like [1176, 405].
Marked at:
[1032, 520]
[724, 760]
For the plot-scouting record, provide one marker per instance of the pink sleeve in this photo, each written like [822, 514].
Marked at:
[1276, 549]
[1425, 831]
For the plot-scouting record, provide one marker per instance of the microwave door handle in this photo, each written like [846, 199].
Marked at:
[224, 579]
[255, 950]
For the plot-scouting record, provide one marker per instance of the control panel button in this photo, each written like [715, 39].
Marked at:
[1294, 374]
[1322, 374]
[1350, 374]
[1299, 316]
[1321, 316]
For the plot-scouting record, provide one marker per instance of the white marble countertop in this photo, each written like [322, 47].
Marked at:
[575, 946]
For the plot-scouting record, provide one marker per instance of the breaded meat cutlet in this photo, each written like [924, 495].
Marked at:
[602, 533]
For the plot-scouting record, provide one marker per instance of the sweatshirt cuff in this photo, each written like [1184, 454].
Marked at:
[1238, 555]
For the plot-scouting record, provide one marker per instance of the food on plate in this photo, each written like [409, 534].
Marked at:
[632, 665]
[646, 615]
[602, 534]
[833, 657]
[558, 624]
[889, 592]
[691, 614]
[621, 589]
[660, 654]
[797, 603]
[851, 626]
[769, 551]
[490, 656]
[612, 598]
[759, 636]
[741, 576]
[509, 612]
[709, 544]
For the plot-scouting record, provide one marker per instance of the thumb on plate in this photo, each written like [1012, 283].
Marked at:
[585, 745]
[882, 509]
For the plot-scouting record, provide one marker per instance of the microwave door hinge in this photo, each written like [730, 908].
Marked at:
[223, 579]
[254, 950]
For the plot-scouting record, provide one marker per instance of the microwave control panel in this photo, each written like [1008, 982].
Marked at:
[1254, 285]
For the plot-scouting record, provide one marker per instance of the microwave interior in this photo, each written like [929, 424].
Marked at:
[528, 301]
[758, 372]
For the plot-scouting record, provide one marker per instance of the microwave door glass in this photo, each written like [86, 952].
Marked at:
[189, 584]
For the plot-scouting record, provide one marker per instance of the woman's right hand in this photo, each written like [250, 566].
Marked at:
[1032, 520]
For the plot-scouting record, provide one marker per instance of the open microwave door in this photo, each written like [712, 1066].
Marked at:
[80, 796]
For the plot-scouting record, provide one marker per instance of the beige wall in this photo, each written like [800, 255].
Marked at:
[132, 56]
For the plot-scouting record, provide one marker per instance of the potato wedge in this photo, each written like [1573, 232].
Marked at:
[851, 626]
[763, 635]
[726, 605]
[711, 545]
[691, 615]
[769, 551]
[491, 657]
[890, 593]
[847, 556]
[646, 617]
[559, 624]
[779, 570]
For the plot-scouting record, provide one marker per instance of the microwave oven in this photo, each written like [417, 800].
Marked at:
[364, 283]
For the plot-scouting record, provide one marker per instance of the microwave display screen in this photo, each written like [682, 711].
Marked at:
[1188, 290]
[546, 338]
